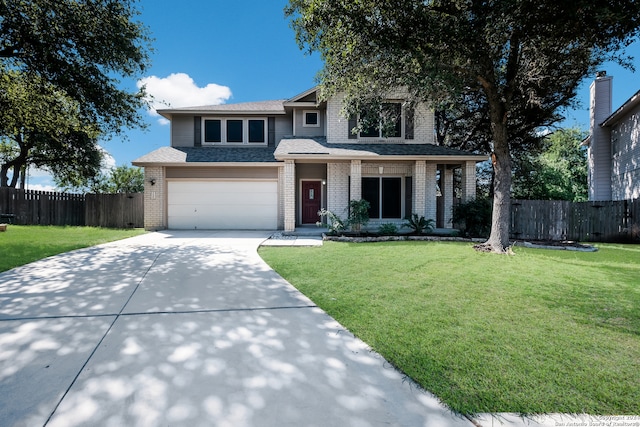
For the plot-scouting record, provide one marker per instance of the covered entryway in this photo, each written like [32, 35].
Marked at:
[223, 204]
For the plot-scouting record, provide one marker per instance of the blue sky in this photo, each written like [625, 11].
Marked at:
[221, 51]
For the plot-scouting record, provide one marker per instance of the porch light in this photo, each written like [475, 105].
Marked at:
[152, 181]
[324, 182]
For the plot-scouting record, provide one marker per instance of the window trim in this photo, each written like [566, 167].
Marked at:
[304, 119]
[245, 130]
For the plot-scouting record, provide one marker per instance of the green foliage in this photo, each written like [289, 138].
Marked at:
[559, 172]
[358, 214]
[358, 217]
[519, 62]
[335, 224]
[473, 218]
[388, 229]
[541, 332]
[41, 126]
[60, 65]
[122, 179]
[81, 48]
[418, 224]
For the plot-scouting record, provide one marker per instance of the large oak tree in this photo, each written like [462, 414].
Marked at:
[523, 58]
[70, 57]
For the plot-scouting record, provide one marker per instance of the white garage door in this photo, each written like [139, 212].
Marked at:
[217, 205]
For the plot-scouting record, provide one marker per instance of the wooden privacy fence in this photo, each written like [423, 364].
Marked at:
[608, 221]
[31, 207]
[114, 210]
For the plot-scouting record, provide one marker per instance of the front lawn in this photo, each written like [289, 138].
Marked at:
[22, 244]
[540, 332]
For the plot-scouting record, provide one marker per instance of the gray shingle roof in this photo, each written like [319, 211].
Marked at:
[208, 155]
[319, 146]
[298, 147]
[274, 107]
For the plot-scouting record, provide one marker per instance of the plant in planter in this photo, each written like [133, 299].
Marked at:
[418, 224]
[358, 214]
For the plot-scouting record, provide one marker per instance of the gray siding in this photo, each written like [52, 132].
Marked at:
[625, 157]
[182, 131]
[283, 127]
[302, 131]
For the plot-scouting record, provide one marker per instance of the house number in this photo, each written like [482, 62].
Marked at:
[311, 194]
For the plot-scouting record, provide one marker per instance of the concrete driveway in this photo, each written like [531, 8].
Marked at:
[186, 329]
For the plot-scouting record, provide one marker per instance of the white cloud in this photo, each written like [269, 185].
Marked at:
[179, 90]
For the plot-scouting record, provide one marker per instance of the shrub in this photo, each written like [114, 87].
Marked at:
[335, 223]
[358, 214]
[418, 224]
[473, 218]
[389, 229]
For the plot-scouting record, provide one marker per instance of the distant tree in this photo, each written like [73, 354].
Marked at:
[523, 58]
[60, 65]
[559, 172]
[122, 179]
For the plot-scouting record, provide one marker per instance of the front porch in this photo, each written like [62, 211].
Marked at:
[394, 189]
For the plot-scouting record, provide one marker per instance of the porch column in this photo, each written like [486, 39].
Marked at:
[289, 195]
[356, 180]
[419, 185]
[447, 194]
[468, 181]
[430, 191]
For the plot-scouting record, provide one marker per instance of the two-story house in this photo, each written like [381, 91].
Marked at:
[275, 164]
[614, 144]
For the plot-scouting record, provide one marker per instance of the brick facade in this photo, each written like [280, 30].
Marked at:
[154, 198]
[338, 125]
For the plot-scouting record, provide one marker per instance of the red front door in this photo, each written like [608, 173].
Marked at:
[311, 198]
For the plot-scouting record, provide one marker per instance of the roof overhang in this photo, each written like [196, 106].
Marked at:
[617, 115]
[207, 164]
[374, 157]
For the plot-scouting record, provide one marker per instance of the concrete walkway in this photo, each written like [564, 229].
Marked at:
[186, 329]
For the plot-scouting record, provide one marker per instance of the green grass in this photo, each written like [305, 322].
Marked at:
[540, 332]
[21, 245]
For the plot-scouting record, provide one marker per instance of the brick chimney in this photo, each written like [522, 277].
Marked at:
[599, 152]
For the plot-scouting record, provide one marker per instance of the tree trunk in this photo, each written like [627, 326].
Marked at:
[501, 159]
[500, 218]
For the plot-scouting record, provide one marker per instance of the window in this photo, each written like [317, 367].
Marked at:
[311, 119]
[384, 196]
[256, 131]
[212, 131]
[235, 131]
[386, 123]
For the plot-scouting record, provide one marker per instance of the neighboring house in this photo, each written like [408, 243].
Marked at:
[614, 144]
[275, 164]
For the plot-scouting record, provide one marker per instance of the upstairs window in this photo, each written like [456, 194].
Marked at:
[234, 131]
[311, 119]
[384, 122]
